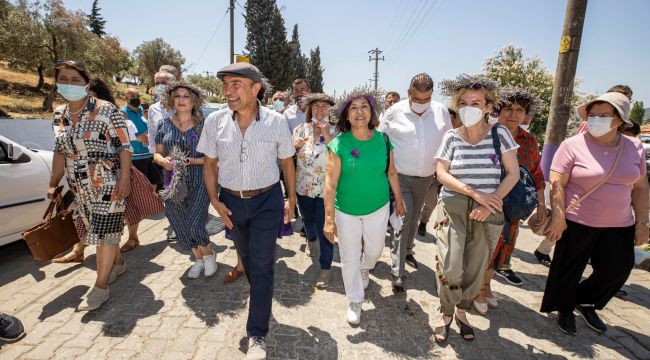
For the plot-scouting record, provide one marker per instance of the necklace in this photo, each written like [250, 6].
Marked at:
[78, 111]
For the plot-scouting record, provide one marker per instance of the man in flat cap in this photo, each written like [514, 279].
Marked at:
[247, 139]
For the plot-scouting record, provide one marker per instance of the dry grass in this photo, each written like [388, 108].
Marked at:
[28, 79]
[29, 106]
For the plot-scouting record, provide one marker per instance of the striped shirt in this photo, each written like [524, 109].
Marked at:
[475, 165]
[248, 161]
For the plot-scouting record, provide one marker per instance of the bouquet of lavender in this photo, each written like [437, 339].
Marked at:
[175, 187]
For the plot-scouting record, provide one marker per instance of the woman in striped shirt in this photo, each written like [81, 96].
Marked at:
[468, 219]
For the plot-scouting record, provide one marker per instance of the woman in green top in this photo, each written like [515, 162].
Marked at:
[359, 170]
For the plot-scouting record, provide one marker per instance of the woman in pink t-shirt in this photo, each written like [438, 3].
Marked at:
[603, 227]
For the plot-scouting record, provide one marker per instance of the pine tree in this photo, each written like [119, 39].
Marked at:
[638, 112]
[297, 59]
[95, 20]
[266, 41]
[315, 71]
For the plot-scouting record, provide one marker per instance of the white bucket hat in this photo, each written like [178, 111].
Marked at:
[619, 101]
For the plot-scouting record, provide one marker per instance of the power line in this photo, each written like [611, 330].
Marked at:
[392, 22]
[409, 21]
[210, 41]
[416, 26]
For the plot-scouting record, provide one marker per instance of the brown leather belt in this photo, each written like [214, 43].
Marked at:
[247, 194]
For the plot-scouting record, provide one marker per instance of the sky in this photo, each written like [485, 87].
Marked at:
[441, 37]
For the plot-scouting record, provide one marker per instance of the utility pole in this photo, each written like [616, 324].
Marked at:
[232, 31]
[376, 52]
[567, 61]
[207, 73]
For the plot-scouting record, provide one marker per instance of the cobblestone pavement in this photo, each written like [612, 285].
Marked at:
[156, 312]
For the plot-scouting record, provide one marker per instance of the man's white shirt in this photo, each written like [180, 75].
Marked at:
[415, 139]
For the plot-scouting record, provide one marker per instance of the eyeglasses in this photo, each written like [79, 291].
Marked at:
[75, 64]
[474, 86]
[243, 156]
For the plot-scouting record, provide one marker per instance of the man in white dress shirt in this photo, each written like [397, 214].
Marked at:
[246, 140]
[415, 127]
[295, 114]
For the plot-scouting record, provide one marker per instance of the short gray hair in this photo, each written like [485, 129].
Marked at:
[165, 74]
[171, 69]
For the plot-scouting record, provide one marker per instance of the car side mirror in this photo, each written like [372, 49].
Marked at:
[14, 152]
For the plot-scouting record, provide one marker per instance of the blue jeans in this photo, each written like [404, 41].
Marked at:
[313, 215]
[256, 222]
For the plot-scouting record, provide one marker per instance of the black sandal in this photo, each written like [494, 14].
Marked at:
[442, 331]
[465, 330]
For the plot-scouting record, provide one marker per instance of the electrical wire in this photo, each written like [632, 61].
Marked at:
[210, 41]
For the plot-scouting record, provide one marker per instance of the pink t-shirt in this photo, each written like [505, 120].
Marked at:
[588, 162]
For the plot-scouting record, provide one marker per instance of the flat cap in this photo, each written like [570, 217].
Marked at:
[241, 69]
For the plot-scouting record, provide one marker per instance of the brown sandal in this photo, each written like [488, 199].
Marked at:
[128, 247]
[76, 258]
[232, 275]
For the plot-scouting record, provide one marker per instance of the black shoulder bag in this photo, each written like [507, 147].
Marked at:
[521, 201]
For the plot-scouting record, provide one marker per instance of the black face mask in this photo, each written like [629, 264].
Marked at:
[134, 102]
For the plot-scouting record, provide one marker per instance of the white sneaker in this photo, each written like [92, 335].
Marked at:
[210, 265]
[196, 270]
[256, 348]
[365, 276]
[116, 270]
[94, 299]
[354, 313]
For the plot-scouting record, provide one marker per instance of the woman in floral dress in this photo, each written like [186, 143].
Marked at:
[92, 148]
[310, 140]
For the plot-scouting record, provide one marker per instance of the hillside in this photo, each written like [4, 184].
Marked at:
[18, 98]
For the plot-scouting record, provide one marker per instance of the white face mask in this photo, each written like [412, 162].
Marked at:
[524, 126]
[419, 108]
[599, 126]
[278, 105]
[470, 115]
[493, 120]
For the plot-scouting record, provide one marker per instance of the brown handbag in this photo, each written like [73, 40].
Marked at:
[55, 234]
[540, 229]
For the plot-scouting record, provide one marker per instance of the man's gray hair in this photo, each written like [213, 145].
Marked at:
[172, 70]
[165, 74]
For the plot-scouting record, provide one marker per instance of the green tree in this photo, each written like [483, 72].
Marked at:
[638, 112]
[211, 85]
[297, 60]
[36, 35]
[510, 67]
[266, 42]
[95, 20]
[150, 55]
[315, 71]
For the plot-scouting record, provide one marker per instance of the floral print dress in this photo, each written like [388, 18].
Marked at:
[92, 149]
[311, 162]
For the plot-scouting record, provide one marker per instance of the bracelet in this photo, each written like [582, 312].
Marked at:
[646, 223]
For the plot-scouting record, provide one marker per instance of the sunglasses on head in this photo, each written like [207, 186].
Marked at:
[75, 64]
[474, 86]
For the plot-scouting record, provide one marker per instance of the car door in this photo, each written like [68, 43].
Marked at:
[23, 198]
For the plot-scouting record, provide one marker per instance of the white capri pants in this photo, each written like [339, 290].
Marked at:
[350, 230]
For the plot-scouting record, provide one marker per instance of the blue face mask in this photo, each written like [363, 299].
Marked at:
[278, 105]
[72, 92]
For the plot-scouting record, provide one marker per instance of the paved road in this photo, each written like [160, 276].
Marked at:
[156, 312]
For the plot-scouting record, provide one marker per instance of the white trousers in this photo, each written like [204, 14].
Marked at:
[351, 229]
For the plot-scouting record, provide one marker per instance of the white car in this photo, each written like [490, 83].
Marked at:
[24, 179]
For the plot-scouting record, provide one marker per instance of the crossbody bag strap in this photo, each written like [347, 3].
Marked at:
[496, 143]
[603, 180]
